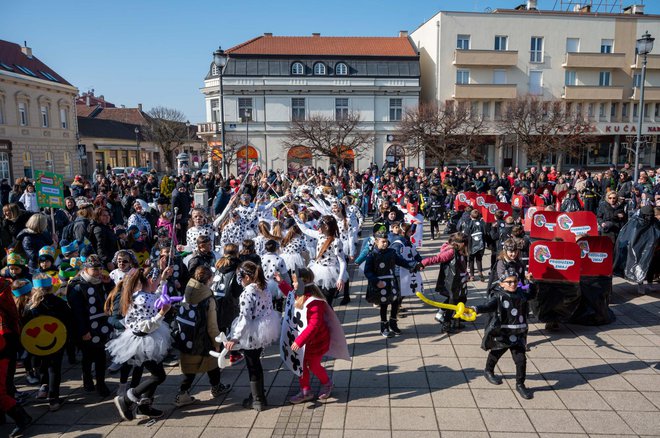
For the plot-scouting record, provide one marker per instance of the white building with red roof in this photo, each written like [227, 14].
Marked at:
[281, 79]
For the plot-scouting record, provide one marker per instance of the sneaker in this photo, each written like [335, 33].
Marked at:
[301, 397]
[125, 407]
[54, 405]
[236, 358]
[171, 361]
[394, 327]
[183, 398]
[219, 389]
[32, 378]
[43, 392]
[326, 390]
[114, 367]
[122, 388]
[385, 331]
[144, 410]
[439, 316]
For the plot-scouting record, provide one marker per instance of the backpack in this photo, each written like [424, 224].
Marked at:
[190, 335]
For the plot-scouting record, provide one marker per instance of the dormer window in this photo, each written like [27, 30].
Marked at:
[319, 69]
[341, 69]
[297, 69]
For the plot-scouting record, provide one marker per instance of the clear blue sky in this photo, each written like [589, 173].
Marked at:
[156, 52]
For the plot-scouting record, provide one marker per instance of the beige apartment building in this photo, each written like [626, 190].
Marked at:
[585, 58]
[37, 117]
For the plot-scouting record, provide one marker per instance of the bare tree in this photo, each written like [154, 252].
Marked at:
[544, 127]
[442, 132]
[166, 127]
[327, 137]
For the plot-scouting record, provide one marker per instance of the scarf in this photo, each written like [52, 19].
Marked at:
[89, 279]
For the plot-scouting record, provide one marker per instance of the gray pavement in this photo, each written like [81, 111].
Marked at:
[587, 381]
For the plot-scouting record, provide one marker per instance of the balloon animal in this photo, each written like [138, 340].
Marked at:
[460, 311]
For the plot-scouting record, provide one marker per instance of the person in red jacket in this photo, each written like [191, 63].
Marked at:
[315, 337]
[9, 341]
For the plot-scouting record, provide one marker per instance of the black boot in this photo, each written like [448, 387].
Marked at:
[394, 327]
[492, 378]
[249, 401]
[524, 391]
[22, 420]
[385, 330]
[258, 397]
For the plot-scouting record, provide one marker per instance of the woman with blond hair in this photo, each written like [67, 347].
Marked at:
[34, 237]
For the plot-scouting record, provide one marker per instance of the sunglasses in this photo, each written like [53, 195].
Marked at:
[509, 282]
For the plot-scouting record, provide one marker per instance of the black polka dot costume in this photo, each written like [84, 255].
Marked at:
[292, 254]
[194, 232]
[257, 324]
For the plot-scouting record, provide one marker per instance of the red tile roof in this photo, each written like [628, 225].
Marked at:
[12, 56]
[325, 46]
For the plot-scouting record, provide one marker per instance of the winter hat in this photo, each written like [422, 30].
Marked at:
[22, 290]
[15, 259]
[68, 247]
[47, 253]
[82, 202]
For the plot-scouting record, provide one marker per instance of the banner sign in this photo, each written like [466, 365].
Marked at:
[555, 261]
[49, 188]
[488, 212]
[570, 226]
[465, 199]
[527, 223]
[596, 254]
[544, 225]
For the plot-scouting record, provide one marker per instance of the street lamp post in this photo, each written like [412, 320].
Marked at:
[644, 47]
[220, 61]
[137, 146]
[247, 115]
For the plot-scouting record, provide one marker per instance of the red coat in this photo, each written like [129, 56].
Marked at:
[445, 255]
[316, 336]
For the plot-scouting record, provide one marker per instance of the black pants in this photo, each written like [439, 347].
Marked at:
[147, 387]
[476, 257]
[253, 363]
[329, 294]
[51, 373]
[519, 358]
[435, 228]
[188, 379]
[347, 286]
[136, 374]
[493, 257]
[448, 314]
[394, 311]
[93, 354]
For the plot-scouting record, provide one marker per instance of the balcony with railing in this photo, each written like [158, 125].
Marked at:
[592, 92]
[485, 91]
[650, 93]
[485, 58]
[652, 62]
[208, 128]
[595, 60]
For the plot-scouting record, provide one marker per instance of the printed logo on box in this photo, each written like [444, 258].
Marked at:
[564, 222]
[561, 264]
[542, 253]
[539, 220]
[597, 257]
[584, 248]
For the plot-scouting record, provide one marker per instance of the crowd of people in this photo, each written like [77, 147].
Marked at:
[141, 277]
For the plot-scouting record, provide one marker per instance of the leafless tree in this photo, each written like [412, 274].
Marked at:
[544, 127]
[234, 143]
[330, 138]
[167, 129]
[442, 132]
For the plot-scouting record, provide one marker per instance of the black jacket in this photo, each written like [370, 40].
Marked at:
[104, 241]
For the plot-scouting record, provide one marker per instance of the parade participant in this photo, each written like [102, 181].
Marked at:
[136, 242]
[9, 343]
[571, 202]
[197, 226]
[139, 218]
[29, 199]
[256, 327]
[434, 211]
[271, 262]
[507, 329]
[262, 237]
[145, 342]
[103, 238]
[507, 260]
[124, 260]
[293, 247]
[44, 303]
[329, 266]
[413, 217]
[522, 242]
[383, 289]
[86, 294]
[475, 228]
[165, 223]
[47, 265]
[34, 237]
[315, 338]
[203, 255]
[199, 294]
[452, 279]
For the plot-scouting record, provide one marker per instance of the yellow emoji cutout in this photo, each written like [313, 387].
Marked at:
[43, 335]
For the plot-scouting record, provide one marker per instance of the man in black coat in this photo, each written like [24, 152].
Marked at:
[611, 216]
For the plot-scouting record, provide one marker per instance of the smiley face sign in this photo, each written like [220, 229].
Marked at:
[43, 335]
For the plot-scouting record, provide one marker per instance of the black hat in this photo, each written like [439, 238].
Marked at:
[380, 231]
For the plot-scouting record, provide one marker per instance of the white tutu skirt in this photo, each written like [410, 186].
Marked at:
[293, 261]
[326, 277]
[135, 350]
[259, 333]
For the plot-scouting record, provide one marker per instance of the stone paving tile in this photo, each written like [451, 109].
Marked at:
[643, 423]
[413, 419]
[605, 422]
[506, 420]
[459, 419]
[553, 421]
[583, 400]
[368, 418]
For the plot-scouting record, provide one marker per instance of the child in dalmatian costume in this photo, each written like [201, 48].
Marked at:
[409, 282]
[197, 226]
[248, 217]
[293, 247]
[271, 262]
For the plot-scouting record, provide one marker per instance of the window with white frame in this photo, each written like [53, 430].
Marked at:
[604, 79]
[485, 110]
[245, 109]
[27, 164]
[22, 114]
[297, 69]
[536, 50]
[572, 45]
[64, 118]
[463, 42]
[319, 69]
[499, 77]
[215, 110]
[570, 78]
[635, 112]
[297, 108]
[624, 110]
[647, 112]
[68, 165]
[215, 71]
[4, 166]
[637, 80]
[341, 69]
[396, 109]
[44, 116]
[50, 164]
[463, 76]
[501, 42]
[341, 108]
[606, 45]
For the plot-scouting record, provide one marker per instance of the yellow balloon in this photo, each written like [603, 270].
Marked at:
[460, 311]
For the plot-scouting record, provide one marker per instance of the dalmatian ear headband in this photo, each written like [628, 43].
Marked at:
[125, 252]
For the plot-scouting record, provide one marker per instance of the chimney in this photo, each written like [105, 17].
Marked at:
[531, 5]
[88, 101]
[140, 107]
[268, 34]
[315, 34]
[585, 8]
[403, 33]
[634, 10]
[101, 97]
[27, 51]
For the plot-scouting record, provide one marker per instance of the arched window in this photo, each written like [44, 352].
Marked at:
[341, 69]
[343, 156]
[297, 69]
[243, 163]
[319, 69]
[297, 158]
[394, 155]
